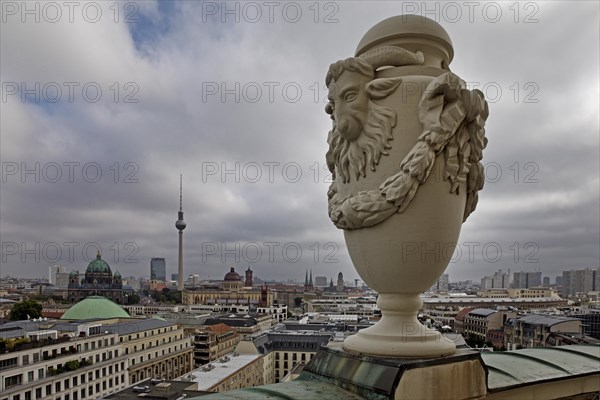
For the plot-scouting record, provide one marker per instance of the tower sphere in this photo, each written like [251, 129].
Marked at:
[180, 225]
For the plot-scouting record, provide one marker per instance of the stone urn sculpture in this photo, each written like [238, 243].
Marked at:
[405, 152]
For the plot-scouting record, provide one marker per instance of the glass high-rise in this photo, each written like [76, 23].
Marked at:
[158, 268]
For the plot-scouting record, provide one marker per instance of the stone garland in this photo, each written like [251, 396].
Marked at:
[453, 120]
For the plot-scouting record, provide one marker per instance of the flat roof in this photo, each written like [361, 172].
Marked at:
[484, 312]
[164, 390]
[207, 379]
[434, 300]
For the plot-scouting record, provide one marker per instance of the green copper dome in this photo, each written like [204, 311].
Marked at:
[95, 307]
[98, 266]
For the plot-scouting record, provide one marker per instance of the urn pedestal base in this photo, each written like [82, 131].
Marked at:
[399, 333]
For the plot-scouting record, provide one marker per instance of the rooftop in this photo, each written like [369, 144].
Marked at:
[482, 312]
[508, 369]
[547, 320]
[95, 307]
[138, 325]
[206, 378]
[156, 389]
[336, 374]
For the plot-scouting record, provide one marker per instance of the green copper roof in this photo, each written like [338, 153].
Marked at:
[98, 265]
[508, 369]
[95, 307]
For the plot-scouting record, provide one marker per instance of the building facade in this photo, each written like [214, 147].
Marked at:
[282, 351]
[580, 281]
[525, 280]
[158, 269]
[535, 330]
[230, 291]
[214, 342]
[499, 280]
[74, 360]
[442, 285]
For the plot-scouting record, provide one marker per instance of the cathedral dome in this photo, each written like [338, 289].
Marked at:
[232, 276]
[98, 266]
[73, 274]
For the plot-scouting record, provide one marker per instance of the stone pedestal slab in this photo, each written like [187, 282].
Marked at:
[458, 376]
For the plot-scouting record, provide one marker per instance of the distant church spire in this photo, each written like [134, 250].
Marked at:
[308, 282]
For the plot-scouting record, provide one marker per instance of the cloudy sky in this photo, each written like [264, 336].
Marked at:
[104, 104]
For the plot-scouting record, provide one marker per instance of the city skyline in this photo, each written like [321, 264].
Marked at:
[180, 95]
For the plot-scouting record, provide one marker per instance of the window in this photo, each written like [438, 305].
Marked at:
[38, 393]
[30, 376]
[48, 390]
[41, 373]
[57, 387]
[9, 362]
[13, 380]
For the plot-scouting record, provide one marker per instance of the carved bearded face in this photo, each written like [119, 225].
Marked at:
[350, 102]
[362, 128]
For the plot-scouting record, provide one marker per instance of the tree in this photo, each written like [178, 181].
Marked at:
[26, 309]
[298, 301]
[133, 299]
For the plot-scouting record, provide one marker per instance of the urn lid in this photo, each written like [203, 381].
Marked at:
[412, 32]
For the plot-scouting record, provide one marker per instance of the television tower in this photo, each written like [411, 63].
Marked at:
[180, 225]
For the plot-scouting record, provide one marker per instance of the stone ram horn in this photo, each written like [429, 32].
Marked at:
[392, 56]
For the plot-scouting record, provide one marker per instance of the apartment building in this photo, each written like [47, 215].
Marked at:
[60, 361]
[79, 357]
[580, 281]
[480, 321]
[535, 330]
[214, 342]
[283, 350]
[154, 348]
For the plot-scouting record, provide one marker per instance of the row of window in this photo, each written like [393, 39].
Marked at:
[45, 392]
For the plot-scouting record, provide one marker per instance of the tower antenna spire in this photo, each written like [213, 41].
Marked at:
[180, 225]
